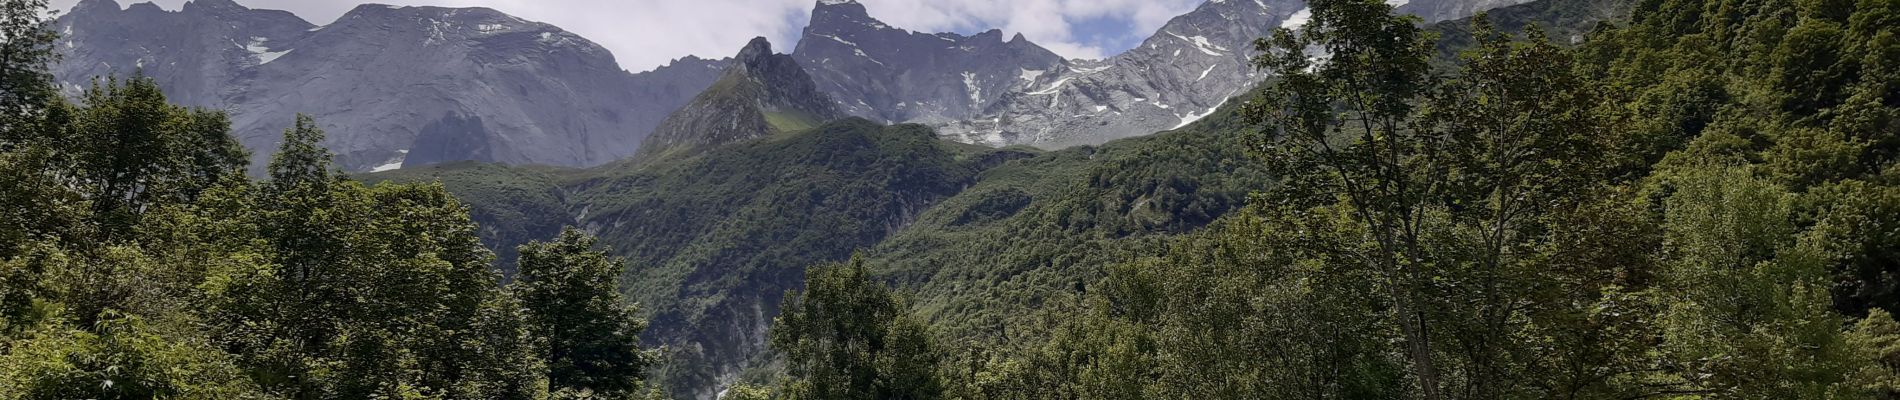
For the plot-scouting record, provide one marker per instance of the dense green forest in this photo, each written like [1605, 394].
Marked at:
[1696, 199]
[137, 260]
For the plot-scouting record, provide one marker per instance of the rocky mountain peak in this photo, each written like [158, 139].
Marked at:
[379, 79]
[843, 16]
[762, 94]
[755, 52]
[214, 6]
[145, 8]
[86, 6]
[892, 74]
[833, 11]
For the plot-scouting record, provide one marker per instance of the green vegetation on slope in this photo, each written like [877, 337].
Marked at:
[1063, 274]
[1668, 211]
[713, 239]
[514, 205]
[140, 262]
[1037, 230]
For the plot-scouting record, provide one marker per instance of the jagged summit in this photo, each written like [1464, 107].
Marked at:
[762, 94]
[840, 5]
[214, 5]
[755, 51]
[891, 74]
[844, 14]
[383, 11]
[95, 5]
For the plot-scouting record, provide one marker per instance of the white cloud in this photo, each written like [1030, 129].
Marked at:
[645, 34]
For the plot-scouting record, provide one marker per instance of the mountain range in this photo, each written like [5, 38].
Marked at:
[410, 86]
[716, 223]
[393, 86]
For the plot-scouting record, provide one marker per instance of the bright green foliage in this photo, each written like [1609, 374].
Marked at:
[569, 291]
[747, 392]
[1879, 335]
[123, 357]
[847, 337]
[1748, 312]
[133, 150]
[129, 150]
[514, 205]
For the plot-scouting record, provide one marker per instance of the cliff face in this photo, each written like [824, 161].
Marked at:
[889, 74]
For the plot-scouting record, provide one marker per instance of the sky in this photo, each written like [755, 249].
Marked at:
[645, 34]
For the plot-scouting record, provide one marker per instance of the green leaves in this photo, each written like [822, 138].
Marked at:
[847, 337]
[569, 291]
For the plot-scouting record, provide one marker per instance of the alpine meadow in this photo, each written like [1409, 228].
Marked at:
[1251, 199]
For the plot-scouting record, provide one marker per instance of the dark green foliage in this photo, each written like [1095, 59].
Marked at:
[1692, 203]
[978, 272]
[570, 292]
[710, 237]
[129, 150]
[367, 291]
[515, 205]
[1500, 230]
[847, 337]
[27, 48]
[137, 261]
[1566, 22]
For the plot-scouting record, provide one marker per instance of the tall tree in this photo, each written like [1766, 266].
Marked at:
[130, 149]
[1351, 115]
[847, 337]
[573, 300]
[1748, 313]
[26, 50]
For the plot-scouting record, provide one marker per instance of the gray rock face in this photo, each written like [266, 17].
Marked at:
[888, 74]
[1181, 73]
[1019, 93]
[761, 94]
[392, 86]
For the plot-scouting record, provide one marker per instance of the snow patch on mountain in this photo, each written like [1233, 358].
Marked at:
[1054, 88]
[969, 85]
[1029, 76]
[838, 39]
[1298, 19]
[394, 163]
[259, 50]
[1200, 43]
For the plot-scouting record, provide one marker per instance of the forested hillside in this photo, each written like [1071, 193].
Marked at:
[1575, 199]
[715, 239]
[139, 261]
[1685, 206]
